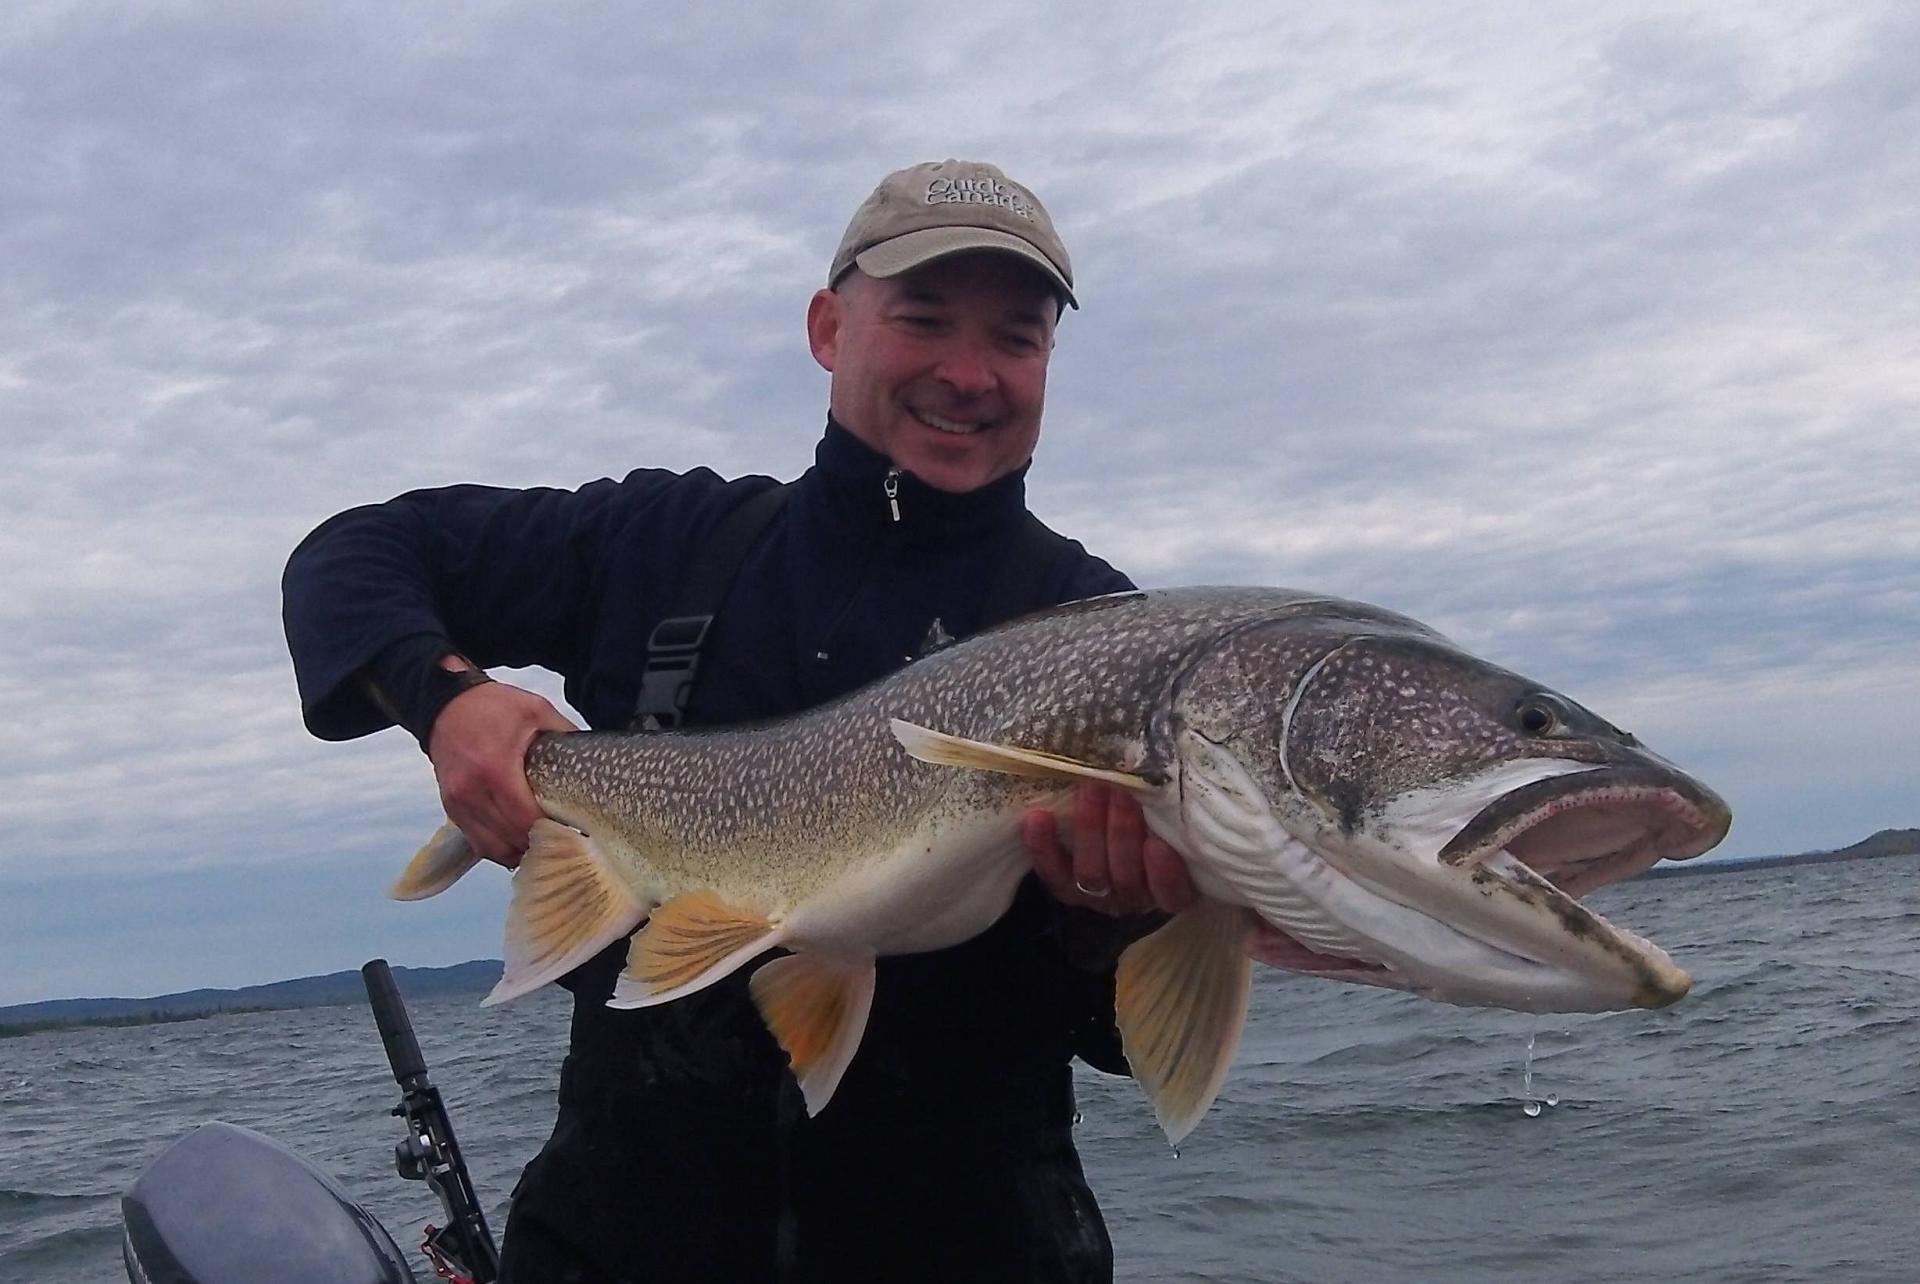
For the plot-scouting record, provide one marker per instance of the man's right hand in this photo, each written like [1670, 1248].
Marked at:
[478, 748]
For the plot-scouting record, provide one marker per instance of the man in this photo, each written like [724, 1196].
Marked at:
[682, 1151]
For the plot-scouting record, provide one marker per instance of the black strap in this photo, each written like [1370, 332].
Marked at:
[673, 648]
[1021, 577]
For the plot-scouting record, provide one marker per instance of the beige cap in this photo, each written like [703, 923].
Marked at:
[926, 212]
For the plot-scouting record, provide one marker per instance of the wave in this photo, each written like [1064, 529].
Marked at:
[48, 1198]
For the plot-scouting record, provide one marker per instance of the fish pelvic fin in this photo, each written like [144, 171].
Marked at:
[691, 941]
[1180, 999]
[943, 750]
[568, 905]
[436, 866]
[816, 1006]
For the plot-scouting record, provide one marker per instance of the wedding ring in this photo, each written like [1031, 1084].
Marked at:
[1084, 890]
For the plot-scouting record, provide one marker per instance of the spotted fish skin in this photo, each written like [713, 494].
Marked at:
[777, 812]
[1356, 798]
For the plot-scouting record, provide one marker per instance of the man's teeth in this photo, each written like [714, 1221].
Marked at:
[945, 425]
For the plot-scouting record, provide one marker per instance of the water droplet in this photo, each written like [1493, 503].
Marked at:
[1553, 1098]
[1532, 1108]
[1077, 1117]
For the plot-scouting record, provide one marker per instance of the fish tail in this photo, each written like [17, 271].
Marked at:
[436, 866]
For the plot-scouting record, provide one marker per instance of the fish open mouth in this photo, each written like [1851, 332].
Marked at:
[1523, 940]
[1588, 829]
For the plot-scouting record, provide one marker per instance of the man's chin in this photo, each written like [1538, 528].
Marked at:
[955, 467]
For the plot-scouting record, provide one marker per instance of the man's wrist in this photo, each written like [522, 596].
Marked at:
[414, 679]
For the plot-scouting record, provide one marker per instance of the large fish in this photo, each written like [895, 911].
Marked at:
[1357, 799]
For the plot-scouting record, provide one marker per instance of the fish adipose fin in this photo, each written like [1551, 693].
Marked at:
[568, 905]
[1180, 999]
[691, 941]
[817, 1008]
[437, 866]
[944, 750]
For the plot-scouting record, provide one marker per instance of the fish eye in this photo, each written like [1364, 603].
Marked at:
[1539, 716]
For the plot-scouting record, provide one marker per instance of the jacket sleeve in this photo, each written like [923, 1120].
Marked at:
[503, 576]
[1082, 575]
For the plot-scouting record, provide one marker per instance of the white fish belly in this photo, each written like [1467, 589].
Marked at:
[941, 886]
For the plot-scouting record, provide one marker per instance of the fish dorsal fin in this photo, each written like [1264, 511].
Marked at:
[943, 750]
[436, 866]
[691, 941]
[568, 905]
[1180, 999]
[817, 1008]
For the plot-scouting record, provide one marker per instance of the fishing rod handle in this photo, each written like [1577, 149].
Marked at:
[396, 1031]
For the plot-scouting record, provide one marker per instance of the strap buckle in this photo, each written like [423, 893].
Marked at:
[673, 658]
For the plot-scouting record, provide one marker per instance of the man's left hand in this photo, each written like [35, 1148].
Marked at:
[1111, 862]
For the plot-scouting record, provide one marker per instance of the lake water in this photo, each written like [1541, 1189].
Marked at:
[1766, 1128]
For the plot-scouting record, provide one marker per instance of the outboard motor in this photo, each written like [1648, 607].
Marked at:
[226, 1205]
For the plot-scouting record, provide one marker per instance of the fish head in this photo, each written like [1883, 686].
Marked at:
[1400, 813]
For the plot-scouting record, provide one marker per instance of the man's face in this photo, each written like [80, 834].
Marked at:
[942, 369]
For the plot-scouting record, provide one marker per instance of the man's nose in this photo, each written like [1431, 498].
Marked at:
[967, 368]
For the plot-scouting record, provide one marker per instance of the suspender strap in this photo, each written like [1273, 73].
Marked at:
[1020, 580]
[673, 648]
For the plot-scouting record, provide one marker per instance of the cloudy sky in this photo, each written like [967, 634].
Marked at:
[1589, 334]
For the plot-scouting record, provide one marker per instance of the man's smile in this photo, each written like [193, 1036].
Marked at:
[957, 427]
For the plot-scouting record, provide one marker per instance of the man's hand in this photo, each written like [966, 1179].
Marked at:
[1111, 862]
[479, 753]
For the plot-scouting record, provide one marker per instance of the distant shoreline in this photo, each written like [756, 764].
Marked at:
[335, 989]
[1887, 842]
[345, 988]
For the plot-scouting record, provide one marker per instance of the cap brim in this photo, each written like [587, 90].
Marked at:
[917, 249]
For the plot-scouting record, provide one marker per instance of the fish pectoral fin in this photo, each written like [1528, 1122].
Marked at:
[817, 1008]
[568, 905]
[943, 750]
[436, 866]
[690, 942]
[1180, 999]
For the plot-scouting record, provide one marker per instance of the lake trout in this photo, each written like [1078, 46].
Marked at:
[1356, 797]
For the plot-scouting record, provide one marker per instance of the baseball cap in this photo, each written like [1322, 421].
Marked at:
[929, 211]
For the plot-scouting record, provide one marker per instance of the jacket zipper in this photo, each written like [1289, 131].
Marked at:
[890, 487]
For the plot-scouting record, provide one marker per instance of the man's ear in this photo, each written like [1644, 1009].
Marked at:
[825, 311]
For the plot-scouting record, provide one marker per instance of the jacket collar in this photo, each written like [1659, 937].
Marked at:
[851, 477]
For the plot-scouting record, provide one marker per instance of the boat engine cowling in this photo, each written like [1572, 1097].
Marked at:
[226, 1205]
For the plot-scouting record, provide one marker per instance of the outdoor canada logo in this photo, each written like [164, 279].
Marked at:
[979, 191]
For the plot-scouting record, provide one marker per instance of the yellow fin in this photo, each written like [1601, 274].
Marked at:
[691, 941]
[943, 750]
[817, 1008]
[568, 905]
[1180, 999]
[437, 866]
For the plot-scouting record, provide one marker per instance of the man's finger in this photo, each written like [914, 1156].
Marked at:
[1090, 874]
[1167, 880]
[1126, 836]
[1041, 838]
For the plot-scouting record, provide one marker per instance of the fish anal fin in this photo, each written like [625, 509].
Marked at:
[817, 1008]
[691, 941]
[943, 750]
[568, 905]
[436, 866]
[1180, 1000]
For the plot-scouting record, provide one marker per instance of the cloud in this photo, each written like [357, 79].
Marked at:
[1585, 337]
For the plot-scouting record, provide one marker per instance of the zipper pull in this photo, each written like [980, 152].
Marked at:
[892, 487]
